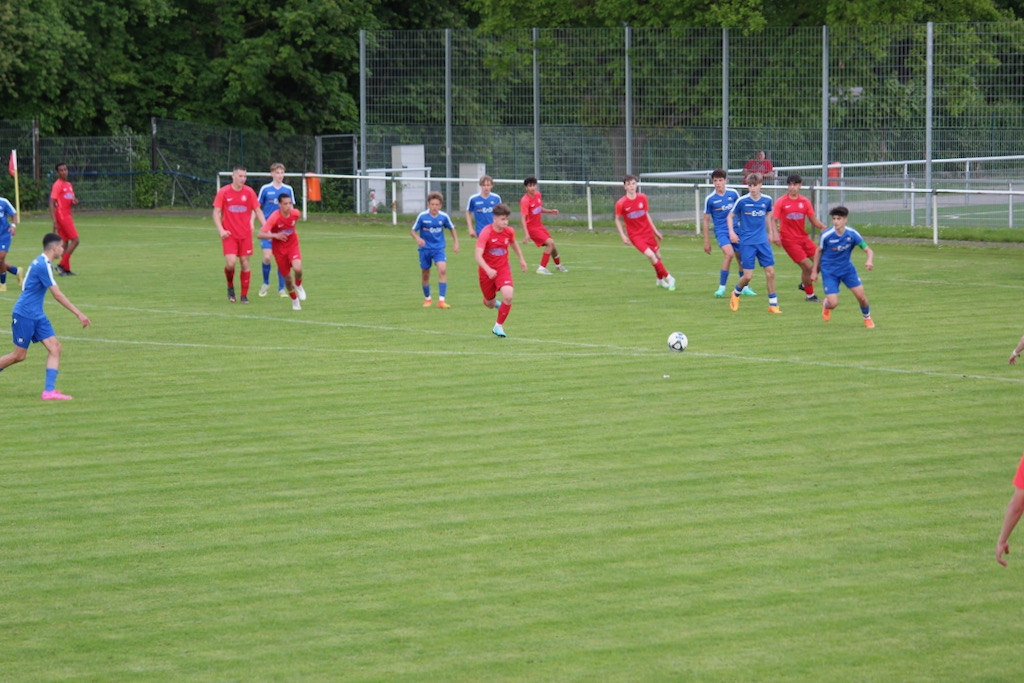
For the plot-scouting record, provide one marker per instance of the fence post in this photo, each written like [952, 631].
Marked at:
[929, 95]
[824, 107]
[935, 217]
[590, 209]
[448, 115]
[725, 99]
[536, 105]
[36, 163]
[362, 119]
[913, 205]
[696, 208]
[1010, 187]
[629, 103]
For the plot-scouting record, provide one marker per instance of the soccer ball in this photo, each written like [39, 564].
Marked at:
[677, 341]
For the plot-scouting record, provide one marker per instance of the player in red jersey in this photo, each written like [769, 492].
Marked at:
[233, 209]
[280, 229]
[791, 209]
[62, 199]
[531, 208]
[634, 209]
[491, 255]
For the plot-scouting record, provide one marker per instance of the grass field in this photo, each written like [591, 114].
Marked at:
[368, 490]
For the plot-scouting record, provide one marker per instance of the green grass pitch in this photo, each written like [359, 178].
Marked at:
[367, 490]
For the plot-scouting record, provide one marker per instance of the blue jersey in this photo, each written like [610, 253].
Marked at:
[837, 250]
[431, 228]
[6, 210]
[718, 207]
[38, 279]
[482, 209]
[268, 197]
[749, 219]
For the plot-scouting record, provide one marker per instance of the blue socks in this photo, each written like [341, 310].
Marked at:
[426, 291]
[866, 310]
[723, 277]
[266, 273]
[51, 379]
[442, 289]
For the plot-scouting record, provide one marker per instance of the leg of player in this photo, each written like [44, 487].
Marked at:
[15, 356]
[865, 307]
[296, 274]
[745, 275]
[265, 287]
[555, 257]
[664, 278]
[806, 268]
[69, 249]
[723, 273]
[50, 392]
[245, 277]
[503, 311]
[773, 297]
[442, 284]
[292, 291]
[425, 281]
[229, 273]
[831, 301]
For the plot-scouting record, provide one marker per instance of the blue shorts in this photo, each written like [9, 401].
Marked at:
[430, 256]
[5, 242]
[266, 244]
[762, 252]
[30, 330]
[723, 239]
[847, 276]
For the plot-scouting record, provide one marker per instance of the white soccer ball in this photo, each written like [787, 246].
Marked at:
[677, 341]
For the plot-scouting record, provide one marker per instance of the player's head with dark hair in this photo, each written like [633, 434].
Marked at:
[794, 179]
[529, 180]
[238, 167]
[49, 239]
[435, 195]
[501, 210]
[484, 179]
[630, 177]
[286, 198]
[840, 211]
[719, 173]
[58, 165]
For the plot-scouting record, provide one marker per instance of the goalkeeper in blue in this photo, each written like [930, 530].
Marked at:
[833, 259]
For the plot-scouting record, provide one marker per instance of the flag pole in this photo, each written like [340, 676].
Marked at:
[13, 169]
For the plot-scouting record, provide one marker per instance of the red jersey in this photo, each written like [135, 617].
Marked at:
[495, 245]
[236, 209]
[279, 223]
[64, 193]
[1018, 480]
[634, 212]
[791, 214]
[764, 167]
[533, 209]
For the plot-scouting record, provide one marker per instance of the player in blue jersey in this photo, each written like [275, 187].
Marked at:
[752, 227]
[428, 230]
[268, 196]
[480, 207]
[8, 227]
[717, 206]
[834, 259]
[28, 320]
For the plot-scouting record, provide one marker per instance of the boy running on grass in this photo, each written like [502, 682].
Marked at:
[491, 255]
[428, 230]
[834, 258]
[717, 206]
[634, 209]
[531, 208]
[752, 227]
[280, 231]
[29, 322]
[790, 210]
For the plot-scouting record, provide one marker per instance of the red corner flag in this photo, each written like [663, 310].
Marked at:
[12, 167]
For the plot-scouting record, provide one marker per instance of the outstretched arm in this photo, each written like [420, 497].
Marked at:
[1013, 513]
[66, 303]
[1017, 351]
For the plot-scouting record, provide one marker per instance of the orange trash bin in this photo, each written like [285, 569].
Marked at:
[835, 172]
[312, 188]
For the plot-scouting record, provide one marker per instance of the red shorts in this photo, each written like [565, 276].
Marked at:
[799, 246]
[643, 242]
[66, 228]
[284, 260]
[539, 235]
[237, 246]
[491, 287]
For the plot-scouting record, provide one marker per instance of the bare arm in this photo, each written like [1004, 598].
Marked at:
[1013, 513]
[816, 267]
[1017, 351]
[469, 223]
[704, 224]
[218, 216]
[478, 256]
[66, 303]
[871, 257]
[519, 253]
[622, 230]
[732, 232]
